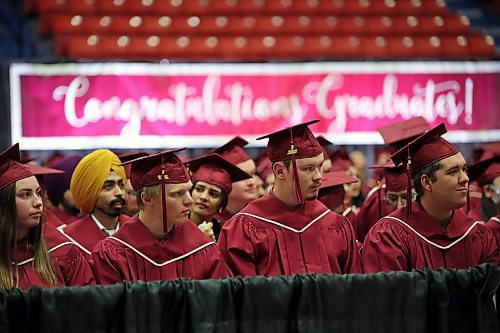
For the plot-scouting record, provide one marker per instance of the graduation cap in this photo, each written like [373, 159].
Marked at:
[396, 180]
[340, 159]
[398, 134]
[486, 151]
[129, 157]
[325, 143]
[485, 171]
[264, 167]
[233, 150]
[290, 144]
[331, 192]
[158, 169]
[422, 152]
[39, 170]
[214, 169]
[11, 170]
[395, 176]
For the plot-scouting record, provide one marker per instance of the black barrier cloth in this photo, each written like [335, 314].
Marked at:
[420, 301]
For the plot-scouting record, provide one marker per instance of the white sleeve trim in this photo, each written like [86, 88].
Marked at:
[429, 241]
[80, 246]
[373, 190]
[52, 249]
[285, 226]
[163, 263]
[496, 219]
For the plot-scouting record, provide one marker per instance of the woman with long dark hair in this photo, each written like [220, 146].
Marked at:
[24, 257]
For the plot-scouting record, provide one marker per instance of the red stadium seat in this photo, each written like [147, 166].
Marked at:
[481, 46]
[400, 47]
[428, 47]
[455, 47]
[379, 25]
[346, 47]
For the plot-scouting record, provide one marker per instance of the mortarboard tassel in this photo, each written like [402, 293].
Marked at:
[295, 173]
[468, 198]
[379, 194]
[163, 198]
[408, 187]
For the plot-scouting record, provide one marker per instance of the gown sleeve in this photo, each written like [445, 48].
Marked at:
[108, 262]
[72, 265]
[236, 247]
[215, 265]
[384, 249]
[490, 246]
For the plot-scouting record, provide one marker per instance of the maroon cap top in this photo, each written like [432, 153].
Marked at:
[485, 171]
[11, 170]
[264, 167]
[336, 178]
[398, 134]
[153, 169]
[331, 192]
[233, 150]
[325, 143]
[340, 159]
[425, 150]
[129, 157]
[396, 179]
[41, 170]
[214, 169]
[296, 141]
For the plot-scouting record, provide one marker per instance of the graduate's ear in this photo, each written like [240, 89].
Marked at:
[146, 199]
[279, 170]
[426, 182]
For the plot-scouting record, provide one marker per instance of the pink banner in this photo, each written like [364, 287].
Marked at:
[215, 103]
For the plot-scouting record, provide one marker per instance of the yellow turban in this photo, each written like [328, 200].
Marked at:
[89, 176]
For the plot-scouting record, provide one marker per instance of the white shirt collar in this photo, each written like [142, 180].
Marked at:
[103, 228]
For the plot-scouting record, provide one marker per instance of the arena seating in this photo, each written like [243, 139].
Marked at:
[254, 30]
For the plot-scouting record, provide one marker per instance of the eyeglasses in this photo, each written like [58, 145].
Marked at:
[393, 199]
[493, 188]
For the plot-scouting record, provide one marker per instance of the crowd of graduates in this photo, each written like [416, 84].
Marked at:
[303, 207]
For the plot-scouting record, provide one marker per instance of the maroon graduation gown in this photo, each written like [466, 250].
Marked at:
[70, 265]
[68, 269]
[395, 244]
[65, 218]
[51, 217]
[269, 238]
[133, 254]
[85, 233]
[369, 213]
[350, 214]
[494, 224]
[223, 216]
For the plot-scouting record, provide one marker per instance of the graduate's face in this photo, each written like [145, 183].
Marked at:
[310, 174]
[131, 198]
[178, 202]
[450, 187]
[492, 191]
[353, 190]
[327, 165]
[244, 191]
[110, 200]
[396, 200]
[29, 205]
[207, 199]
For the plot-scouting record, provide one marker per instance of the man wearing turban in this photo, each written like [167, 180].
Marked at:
[97, 186]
